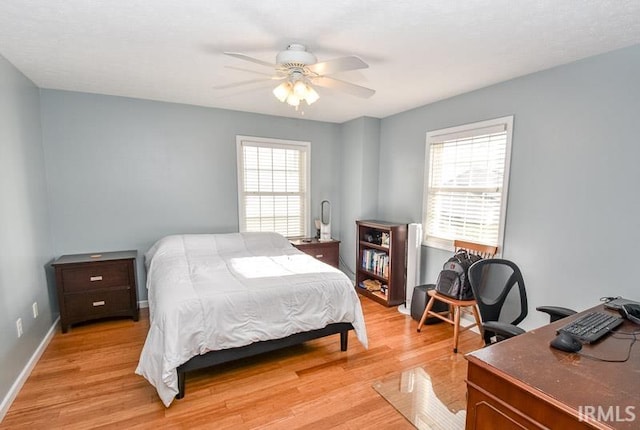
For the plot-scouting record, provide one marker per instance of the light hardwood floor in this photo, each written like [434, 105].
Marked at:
[85, 379]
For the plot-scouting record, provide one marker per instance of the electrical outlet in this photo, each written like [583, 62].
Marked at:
[34, 307]
[19, 326]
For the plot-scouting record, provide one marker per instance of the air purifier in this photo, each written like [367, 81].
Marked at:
[325, 221]
[414, 246]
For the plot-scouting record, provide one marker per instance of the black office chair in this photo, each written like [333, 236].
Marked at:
[498, 288]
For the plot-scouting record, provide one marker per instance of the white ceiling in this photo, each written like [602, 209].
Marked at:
[419, 51]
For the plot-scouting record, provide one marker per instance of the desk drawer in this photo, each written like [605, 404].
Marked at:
[96, 276]
[97, 304]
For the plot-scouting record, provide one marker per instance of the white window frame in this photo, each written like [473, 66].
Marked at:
[459, 132]
[305, 187]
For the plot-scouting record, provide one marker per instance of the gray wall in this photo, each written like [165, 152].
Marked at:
[360, 145]
[25, 239]
[573, 204]
[123, 173]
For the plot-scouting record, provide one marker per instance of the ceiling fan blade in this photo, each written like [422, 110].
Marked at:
[255, 72]
[341, 64]
[241, 83]
[247, 58]
[347, 87]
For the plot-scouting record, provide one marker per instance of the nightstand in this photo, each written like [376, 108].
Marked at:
[325, 251]
[94, 286]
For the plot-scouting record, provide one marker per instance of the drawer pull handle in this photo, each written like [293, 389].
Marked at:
[95, 278]
[319, 256]
[100, 303]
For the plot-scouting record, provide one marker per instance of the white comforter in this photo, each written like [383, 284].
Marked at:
[217, 291]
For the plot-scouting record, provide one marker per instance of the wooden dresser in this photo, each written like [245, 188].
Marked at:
[93, 286]
[326, 251]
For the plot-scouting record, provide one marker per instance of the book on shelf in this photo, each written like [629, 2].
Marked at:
[376, 262]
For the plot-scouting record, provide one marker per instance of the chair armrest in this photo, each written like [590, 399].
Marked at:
[502, 330]
[555, 312]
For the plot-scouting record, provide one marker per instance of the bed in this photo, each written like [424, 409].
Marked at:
[219, 297]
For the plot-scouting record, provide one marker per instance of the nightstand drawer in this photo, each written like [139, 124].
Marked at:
[95, 276]
[97, 304]
[327, 252]
[324, 253]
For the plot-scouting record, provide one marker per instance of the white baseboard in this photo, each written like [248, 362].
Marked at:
[26, 371]
[143, 304]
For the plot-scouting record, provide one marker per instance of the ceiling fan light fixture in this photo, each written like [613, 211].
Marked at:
[293, 100]
[300, 89]
[282, 91]
[293, 93]
[312, 95]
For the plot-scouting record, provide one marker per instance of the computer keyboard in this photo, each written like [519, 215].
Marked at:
[592, 326]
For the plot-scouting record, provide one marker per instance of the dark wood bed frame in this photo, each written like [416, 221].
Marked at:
[213, 358]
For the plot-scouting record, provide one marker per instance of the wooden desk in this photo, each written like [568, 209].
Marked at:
[523, 383]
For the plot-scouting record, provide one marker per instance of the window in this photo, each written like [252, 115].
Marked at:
[466, 178]
[273, 185]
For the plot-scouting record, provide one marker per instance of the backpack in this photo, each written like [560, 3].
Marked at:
[453, 280]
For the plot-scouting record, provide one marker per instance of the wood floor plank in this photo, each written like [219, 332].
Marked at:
[85, 379]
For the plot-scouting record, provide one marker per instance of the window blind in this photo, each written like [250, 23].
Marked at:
[273, 186]
[466, 183]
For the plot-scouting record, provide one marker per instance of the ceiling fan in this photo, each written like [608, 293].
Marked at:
[300, 72]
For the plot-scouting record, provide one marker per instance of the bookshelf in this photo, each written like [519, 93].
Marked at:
[381, 261]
